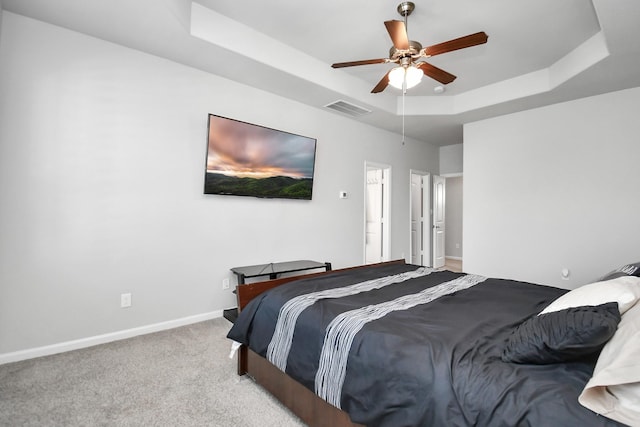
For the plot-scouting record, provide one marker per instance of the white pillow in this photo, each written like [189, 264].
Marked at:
[624, 290]
[614, 389]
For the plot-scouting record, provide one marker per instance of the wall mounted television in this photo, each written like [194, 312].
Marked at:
[244, 159]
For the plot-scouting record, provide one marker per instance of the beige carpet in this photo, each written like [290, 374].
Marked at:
[180, 377]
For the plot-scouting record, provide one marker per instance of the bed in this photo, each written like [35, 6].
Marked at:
[395, 344]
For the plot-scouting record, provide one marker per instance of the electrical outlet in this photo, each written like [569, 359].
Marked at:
[225, 283]
[125, 300]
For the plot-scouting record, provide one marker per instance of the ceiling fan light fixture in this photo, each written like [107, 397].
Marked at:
[396, 77]
[399, 76]
[413, 76]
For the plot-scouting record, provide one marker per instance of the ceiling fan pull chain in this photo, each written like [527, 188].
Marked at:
[404, 90]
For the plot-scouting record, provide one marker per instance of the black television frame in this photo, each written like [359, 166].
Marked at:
[275, 144]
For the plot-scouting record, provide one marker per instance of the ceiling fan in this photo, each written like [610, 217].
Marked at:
[407, 53]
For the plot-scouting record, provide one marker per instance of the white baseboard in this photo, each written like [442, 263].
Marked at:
[105, 338]
[457, 258]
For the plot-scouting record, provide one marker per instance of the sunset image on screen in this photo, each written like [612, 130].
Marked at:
[250, 160]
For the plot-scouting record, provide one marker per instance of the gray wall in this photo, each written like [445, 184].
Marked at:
[453, 218]
[451, 159]
[451, 166]
[553, 188]
[102, 153]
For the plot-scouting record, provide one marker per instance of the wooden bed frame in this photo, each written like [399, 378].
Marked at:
[311, 409]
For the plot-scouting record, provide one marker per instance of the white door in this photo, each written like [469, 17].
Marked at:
[373, 231]
[416, 219]
[420, 219]
[438, 221]
[376, 245]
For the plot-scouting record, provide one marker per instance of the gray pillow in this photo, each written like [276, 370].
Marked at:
[562, 336]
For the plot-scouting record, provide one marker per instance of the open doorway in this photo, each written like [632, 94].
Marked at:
[454, 232]
[377, 242]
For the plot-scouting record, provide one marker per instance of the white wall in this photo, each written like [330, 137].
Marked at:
[102, 155]
[552, 188]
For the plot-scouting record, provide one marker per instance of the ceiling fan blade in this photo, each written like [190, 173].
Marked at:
[382, 84]
[398, 33]
[455, 44]
[435, 73]
[363, 62]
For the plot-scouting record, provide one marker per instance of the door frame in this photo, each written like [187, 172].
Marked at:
[386, 210]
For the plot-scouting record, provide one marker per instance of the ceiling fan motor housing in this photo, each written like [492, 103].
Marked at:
[414, 50]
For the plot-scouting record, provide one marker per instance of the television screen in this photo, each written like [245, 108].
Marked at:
[250, 160]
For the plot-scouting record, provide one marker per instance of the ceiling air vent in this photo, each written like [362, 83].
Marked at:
[348, 108]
